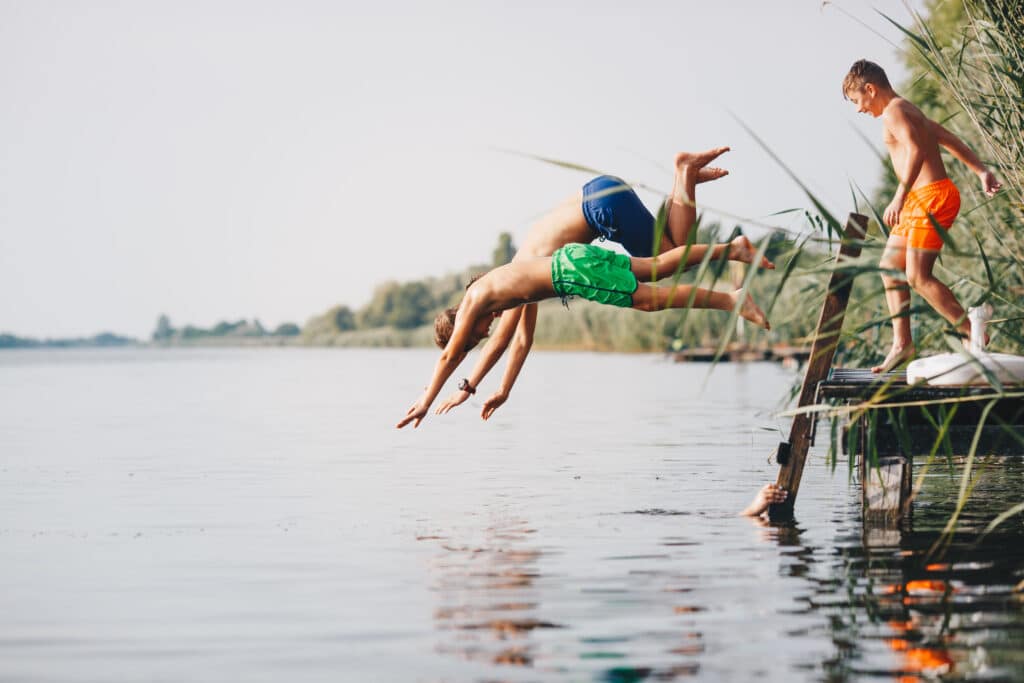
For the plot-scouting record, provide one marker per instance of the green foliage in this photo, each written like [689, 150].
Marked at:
[344, 318]
[378, 310]
[222, 332]
[412, 306]
[504, 252]
[287, 330]
[163, 330]
[399, 305]
[966, 63]
[103, 339]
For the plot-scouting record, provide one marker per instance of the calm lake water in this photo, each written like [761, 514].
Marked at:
[252, 515]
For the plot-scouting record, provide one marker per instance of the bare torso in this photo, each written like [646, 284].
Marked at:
[564, 225]
[921, 136]
[523, 281]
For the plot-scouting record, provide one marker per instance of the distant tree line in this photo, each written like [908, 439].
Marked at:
[402, 313]
[396, 309]
[166, 333]
[10, 341]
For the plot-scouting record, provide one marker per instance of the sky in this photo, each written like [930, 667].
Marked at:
[221, 160]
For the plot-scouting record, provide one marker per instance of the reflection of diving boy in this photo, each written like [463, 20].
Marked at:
[925, 193]
[582, 270]
[607, 208]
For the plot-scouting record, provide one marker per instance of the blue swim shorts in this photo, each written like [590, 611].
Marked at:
[615, 212]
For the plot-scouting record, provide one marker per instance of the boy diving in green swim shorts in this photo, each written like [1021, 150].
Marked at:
[581, 270]
[606, 209]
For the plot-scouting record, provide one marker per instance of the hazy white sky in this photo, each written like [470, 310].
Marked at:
[218, 160]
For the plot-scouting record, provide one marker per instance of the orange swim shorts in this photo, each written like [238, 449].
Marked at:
[941, 199]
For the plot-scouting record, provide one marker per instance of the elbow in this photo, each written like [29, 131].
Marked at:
[522, 344]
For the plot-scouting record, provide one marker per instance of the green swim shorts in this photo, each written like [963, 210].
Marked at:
[593, 273]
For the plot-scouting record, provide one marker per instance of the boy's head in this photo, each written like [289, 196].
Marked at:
[863, 83]
[444, 325]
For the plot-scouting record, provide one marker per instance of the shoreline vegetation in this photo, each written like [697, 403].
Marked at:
[966, 64]
[400, 315]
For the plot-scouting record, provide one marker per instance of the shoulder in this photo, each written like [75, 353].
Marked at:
[902, 115]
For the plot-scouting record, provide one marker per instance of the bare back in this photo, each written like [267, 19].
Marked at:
[513, 284]
[566, 224]
[907, 129]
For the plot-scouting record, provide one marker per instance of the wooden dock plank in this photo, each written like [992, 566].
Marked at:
[792, 453]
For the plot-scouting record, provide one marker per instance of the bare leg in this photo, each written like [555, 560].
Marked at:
[740, 249]
[897, 297]
[769, 493]
[919, 274]
[691, 168]
[665, 264]
[650, 298]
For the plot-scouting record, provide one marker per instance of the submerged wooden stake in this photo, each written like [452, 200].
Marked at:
[792, 453]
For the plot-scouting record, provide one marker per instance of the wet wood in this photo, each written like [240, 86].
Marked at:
[886, 488]
[793, 453]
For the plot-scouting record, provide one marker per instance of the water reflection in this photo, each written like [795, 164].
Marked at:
[910, 604]
[491, 610]
[489, 605]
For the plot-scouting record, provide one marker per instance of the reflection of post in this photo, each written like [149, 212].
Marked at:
[792, 453]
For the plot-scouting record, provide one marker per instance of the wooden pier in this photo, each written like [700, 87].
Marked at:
[891, 423]
[887, 422]
[742, 353]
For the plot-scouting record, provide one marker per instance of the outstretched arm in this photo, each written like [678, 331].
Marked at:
[495, 347]
[520, 349]
[967, 157]
[452, 355]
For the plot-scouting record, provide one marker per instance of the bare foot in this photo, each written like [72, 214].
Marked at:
[710, 173]
[769, 493]
[741, 249]
[897, 355]
[698, 160]
[750, 310]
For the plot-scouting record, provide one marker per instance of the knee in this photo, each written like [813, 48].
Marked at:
[640, 304]
[917, 280]
[642, 300]
[885, 265]
[891, 282]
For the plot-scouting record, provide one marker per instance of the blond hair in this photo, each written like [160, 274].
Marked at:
[444, 325]
[863, 72]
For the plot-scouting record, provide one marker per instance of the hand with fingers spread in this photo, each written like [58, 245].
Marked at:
[493, 403]
[415, 415]
[456, 399]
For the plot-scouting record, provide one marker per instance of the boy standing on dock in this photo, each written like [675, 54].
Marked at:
[925, 195]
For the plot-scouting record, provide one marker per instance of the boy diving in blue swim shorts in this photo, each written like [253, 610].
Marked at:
[606, 209]
[583, 270]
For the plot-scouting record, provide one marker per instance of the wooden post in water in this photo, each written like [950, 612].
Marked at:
[792, 453]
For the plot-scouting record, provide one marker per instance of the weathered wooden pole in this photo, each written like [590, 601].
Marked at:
[792, 453]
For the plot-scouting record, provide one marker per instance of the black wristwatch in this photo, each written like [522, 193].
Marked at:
[464, 385]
